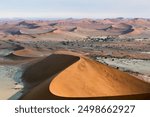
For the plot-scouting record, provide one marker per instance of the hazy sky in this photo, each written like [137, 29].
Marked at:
[75, 8]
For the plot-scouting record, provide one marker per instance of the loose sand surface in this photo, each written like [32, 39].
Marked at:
[87, 78]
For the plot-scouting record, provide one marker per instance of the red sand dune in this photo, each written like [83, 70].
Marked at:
[137, 31]
[27, 25]
[87, 27]
[31, 53]
[87, 78]
[67, 28]
[122, 25]
[58, 31]
[70, 76]
[36, 31]
[121, 28]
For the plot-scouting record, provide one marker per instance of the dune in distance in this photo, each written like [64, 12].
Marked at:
[75, 59]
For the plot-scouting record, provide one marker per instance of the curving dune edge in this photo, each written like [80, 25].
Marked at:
[77, 77]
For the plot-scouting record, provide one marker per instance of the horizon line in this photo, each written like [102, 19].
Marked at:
[15, 17]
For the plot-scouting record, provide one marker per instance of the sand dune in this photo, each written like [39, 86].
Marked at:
[85, 27]
[53, 24]
[60, 34]
[36, 31]
[67, 28]
[27, 25]
[136, 31]
[31, 53]
[58, 31]
[41, 74]
[122, 25]
[70, 76]
[87, 78]
[48, 66]
[13, 31]
[121, 28]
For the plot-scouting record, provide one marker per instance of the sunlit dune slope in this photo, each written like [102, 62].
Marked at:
[42, 72]
[30, 53]
[63, 76]
[47, 67]
[87, 78]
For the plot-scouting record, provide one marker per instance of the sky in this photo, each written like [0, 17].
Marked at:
[74, 8]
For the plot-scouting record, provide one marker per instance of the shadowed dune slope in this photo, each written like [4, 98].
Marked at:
[87, 78]
[121, 28]
[42, 72]
[27, 25]
[48, 67]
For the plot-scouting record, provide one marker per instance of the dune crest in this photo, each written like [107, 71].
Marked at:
[30, 53]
